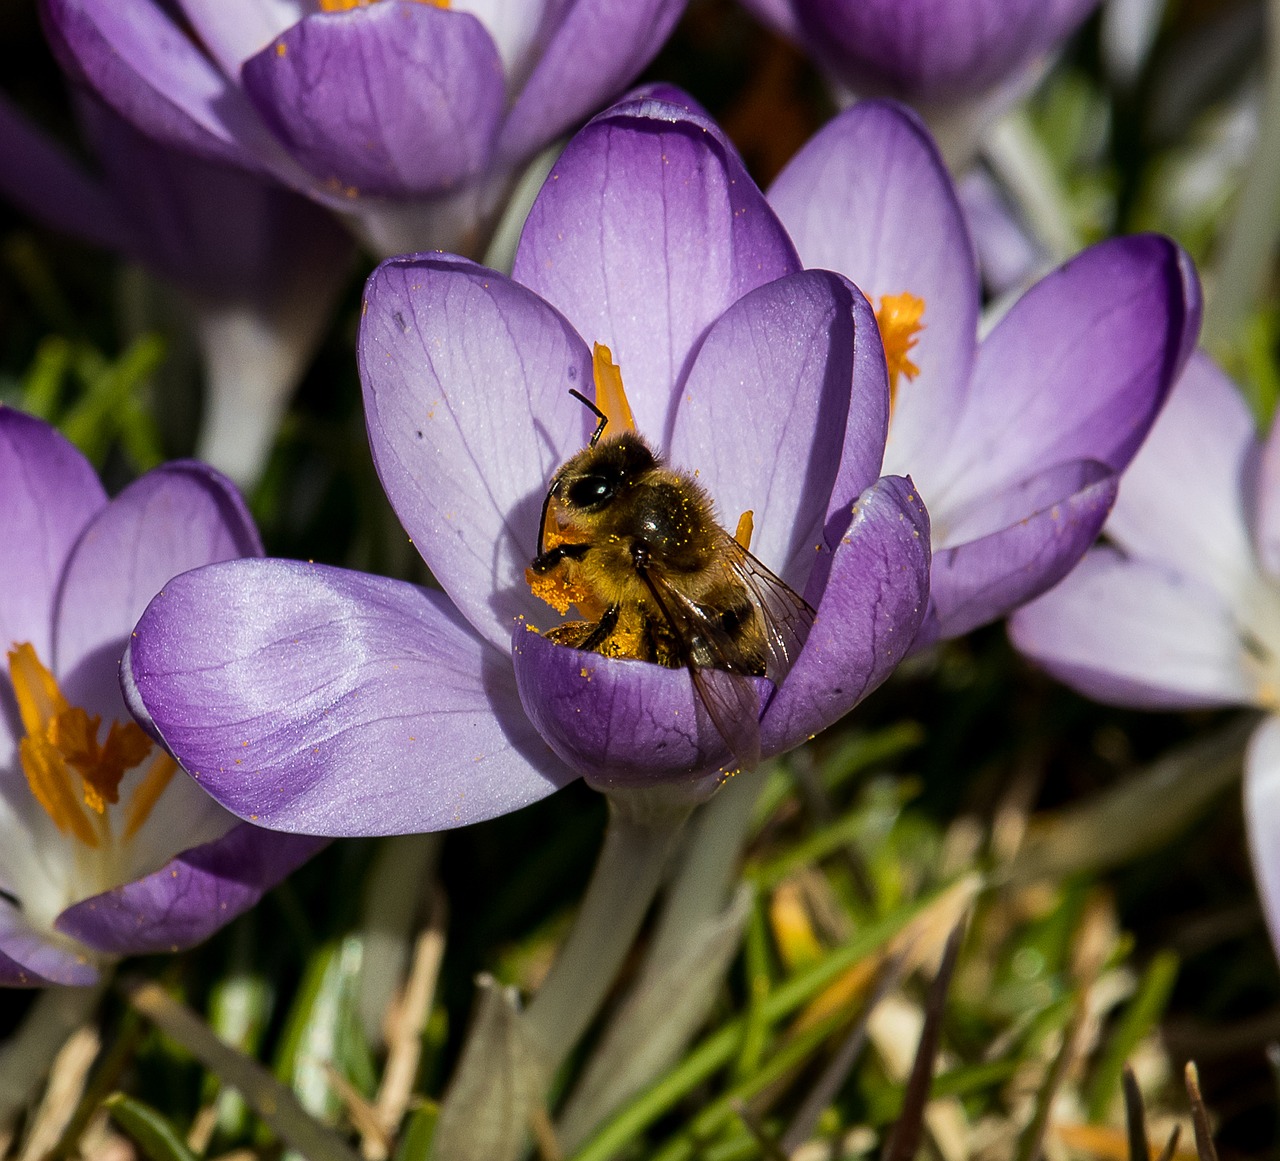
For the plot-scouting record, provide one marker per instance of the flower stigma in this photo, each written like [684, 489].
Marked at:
[73, 774]
[899, 319]
[347, 5]
[611, 396]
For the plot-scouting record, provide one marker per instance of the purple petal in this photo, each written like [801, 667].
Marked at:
[784, 413]
[233, 30]
[596, 48]
[870, 196]
[1262, 818]
[1134, 632]
[646, 231]
[618, 723]
[934, 50]
[145, 67]
[1266, 500]
[776, 14]
[1183, 501]
[980, 580]
[44, 181]
[191, 897]
[177, 517]
[1077, 370]
[30, 959]
[50, 493]
[466, 380]
[874, 600]
[1008, 255]
[318, 701]
[335, 89]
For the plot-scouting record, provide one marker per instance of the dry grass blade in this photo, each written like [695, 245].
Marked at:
[67, 1080]
[833, 1076]
[1135, 1117]
[904, 1141]
[1200, 1115]
[770, 1149]
[1171, 1149]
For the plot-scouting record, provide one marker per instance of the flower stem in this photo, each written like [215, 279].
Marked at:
[626, 877]
[1250, 244]
[26, 1057]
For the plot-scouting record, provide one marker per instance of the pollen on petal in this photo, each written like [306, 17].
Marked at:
[900, 320]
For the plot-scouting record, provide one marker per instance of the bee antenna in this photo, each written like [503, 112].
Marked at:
[600, 415]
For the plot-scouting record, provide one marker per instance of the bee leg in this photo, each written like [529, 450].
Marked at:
[602, 632]
[548, 560]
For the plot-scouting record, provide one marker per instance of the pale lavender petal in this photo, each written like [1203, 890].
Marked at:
[1008, 255]
[369, 131]
[1266, 499]
[1262, 818]
[191, 897]
[595, 48]
[466, 383]
[50, 493]
[1135, 632]
[1183, 499]
[779, 15]
[1077, 370]
[646, 231]
[233, 30]
[618, 723]
[870, 196]
[936, 50]
[870, 604]
[30, 959]
[145, 67]
[177, 517]
[980, 580]
[318, 701]
[48, 184]
[784, 413]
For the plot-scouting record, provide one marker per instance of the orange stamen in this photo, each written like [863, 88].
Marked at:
[611, 398]
[147, 793]
[899, 319]
[746, 527]
[347, 5]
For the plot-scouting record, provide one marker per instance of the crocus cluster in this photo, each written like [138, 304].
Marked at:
[103, 851]
[313, 699]
[1180, 607]
[410, 115]
[1017, 441]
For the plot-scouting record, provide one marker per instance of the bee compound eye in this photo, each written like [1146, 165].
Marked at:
[591, 491]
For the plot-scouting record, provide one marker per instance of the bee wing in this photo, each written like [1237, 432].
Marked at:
[786, 616]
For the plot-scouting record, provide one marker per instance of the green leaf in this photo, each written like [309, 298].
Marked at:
[153, 1132]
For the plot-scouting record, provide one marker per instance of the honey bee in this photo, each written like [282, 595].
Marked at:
[635, 546]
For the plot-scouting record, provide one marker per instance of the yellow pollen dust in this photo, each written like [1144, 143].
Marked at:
[900, 326]
[611, 397]
[347, 5]
[72, 774]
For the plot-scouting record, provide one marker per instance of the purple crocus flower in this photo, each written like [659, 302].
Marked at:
[1180, 607]
[260, 267]
[1015, 441]
[103, 852]
[413, 117]
[313, 699]
[928, 52]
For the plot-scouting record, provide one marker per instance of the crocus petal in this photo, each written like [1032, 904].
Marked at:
[871, 594]
[618, 723]
[333, 88]
[646, 231]
[870, 196]
[1262, 817]
[466, 381]
[318, 701]
[144, 66]
[1133, 632]
[1266, 499]
[233, 30]
[50, 493]
[934, 49]
[980, 580]
[41, 178]
[1077, 369]
[777, 404]
[29, 959]
[175, 518]
[779, 15]
[596, 47]
[191, 897]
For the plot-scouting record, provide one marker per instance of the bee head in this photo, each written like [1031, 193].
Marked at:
[597, 475]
